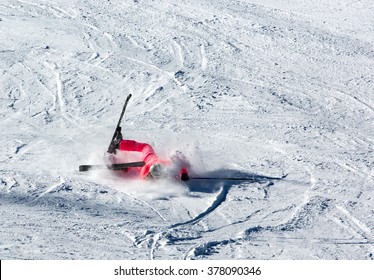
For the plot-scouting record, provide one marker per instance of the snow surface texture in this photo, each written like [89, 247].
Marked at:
[243, 88]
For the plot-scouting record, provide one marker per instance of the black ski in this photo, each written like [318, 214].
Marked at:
[255, 178]
[223, 178]
[116, 166]
[117, 133]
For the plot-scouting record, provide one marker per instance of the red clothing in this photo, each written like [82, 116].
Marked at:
[148, 155]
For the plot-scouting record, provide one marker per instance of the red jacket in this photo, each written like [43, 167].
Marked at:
[148, 155]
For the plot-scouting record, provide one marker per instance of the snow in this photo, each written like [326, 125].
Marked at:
[244, 88]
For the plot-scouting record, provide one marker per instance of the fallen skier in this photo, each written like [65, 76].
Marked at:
[154, 167]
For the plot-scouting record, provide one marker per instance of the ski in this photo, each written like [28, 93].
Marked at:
[116, 166]
[117, 133]
[223, 178]
[255, 178]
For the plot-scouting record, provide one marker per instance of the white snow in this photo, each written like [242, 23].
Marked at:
[243, 88]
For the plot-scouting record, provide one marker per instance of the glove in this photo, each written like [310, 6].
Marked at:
[184, 174]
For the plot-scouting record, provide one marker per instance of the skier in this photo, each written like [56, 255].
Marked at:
[154, 168]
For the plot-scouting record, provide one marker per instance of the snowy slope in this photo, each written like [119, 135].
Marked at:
[245, 88]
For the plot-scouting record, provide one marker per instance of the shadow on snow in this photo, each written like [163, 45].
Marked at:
[221, 181]
[212, 181]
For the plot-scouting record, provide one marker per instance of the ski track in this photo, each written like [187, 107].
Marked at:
[204, 60]
[178, 53]
[360, 227]
[150, 207]
[220, 198]
[248, 88]
[51, 188]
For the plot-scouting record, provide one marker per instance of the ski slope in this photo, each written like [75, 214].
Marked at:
[243, 88]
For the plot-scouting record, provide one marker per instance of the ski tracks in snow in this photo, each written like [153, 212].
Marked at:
[220, 198]
[161, 239]
[51, 188]
[199, 227]
[344, 219]
[148, 206]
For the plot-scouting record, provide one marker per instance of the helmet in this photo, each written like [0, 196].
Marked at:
[157, 171]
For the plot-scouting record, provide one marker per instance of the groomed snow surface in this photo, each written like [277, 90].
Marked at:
[243, 88]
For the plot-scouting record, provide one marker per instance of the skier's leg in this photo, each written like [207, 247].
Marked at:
[153, 164]
[148, 154]
[133, 146]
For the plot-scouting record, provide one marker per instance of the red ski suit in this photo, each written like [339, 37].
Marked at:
[148, 155]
